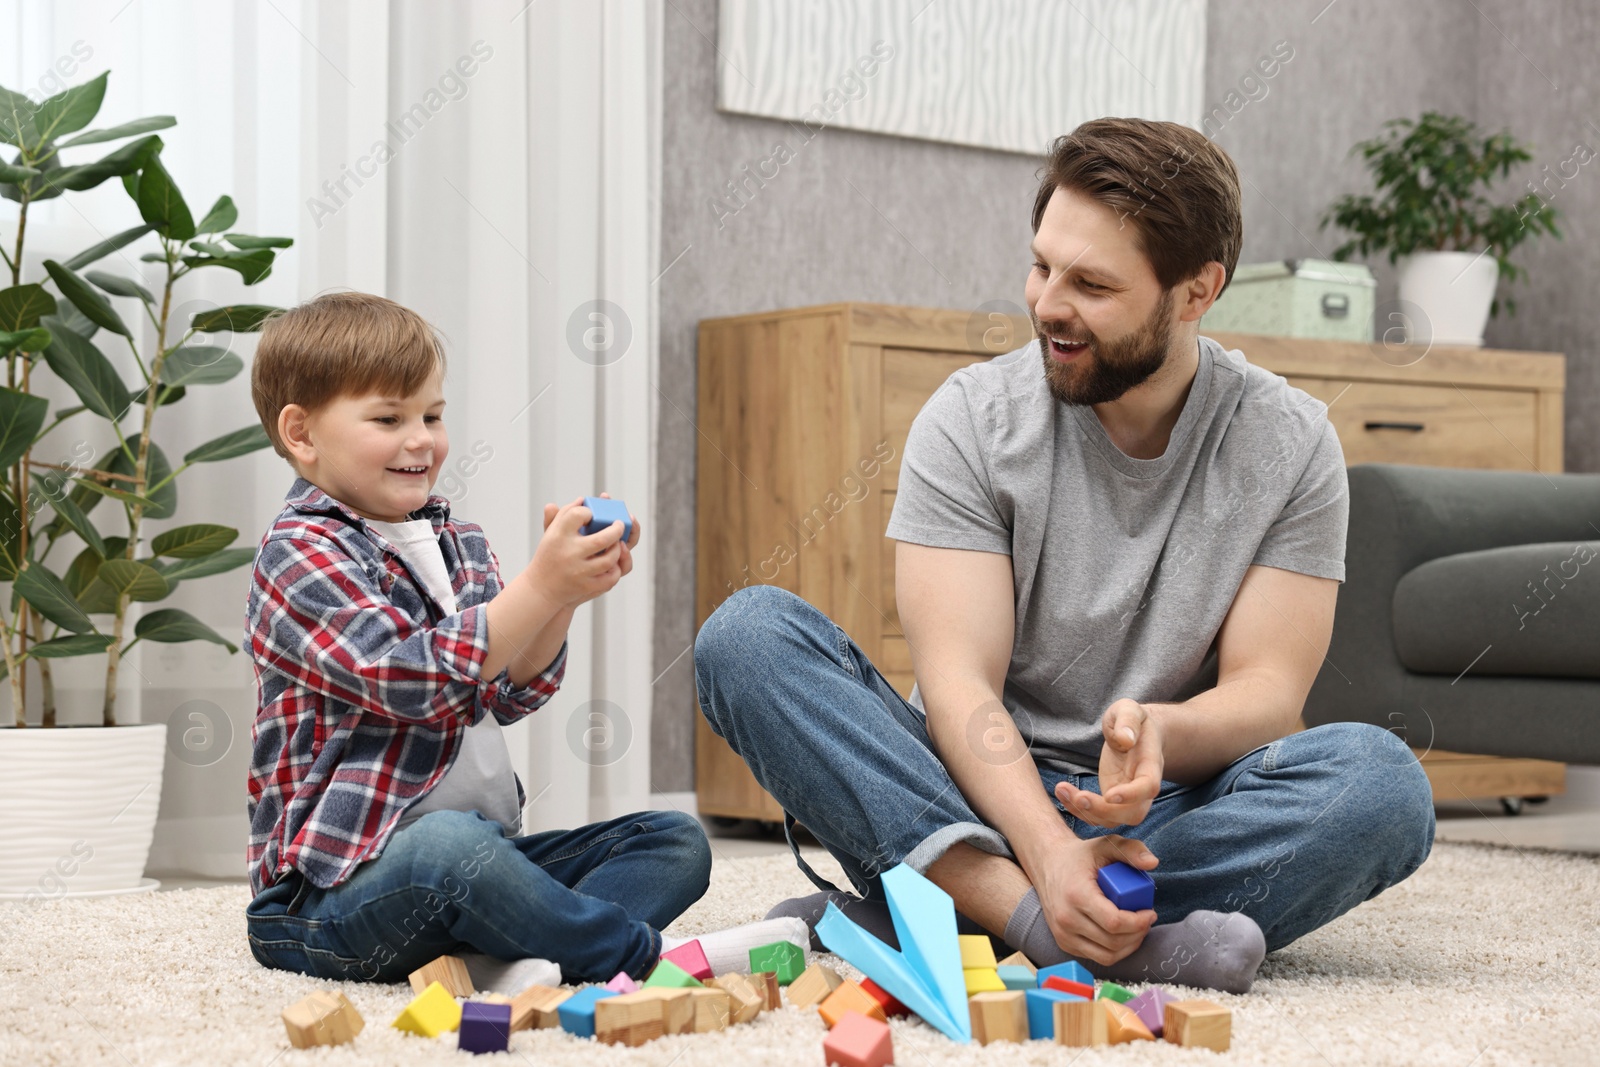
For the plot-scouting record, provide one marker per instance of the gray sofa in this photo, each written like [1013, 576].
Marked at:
[1469, 620]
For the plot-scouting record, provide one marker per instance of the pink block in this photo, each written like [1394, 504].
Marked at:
[692, 958]
[1151, 1008]
[622, 984]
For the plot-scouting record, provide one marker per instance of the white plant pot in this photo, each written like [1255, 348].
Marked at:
[77, 808]
[1446, 296]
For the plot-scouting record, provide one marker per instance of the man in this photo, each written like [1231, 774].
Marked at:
[1118, 554]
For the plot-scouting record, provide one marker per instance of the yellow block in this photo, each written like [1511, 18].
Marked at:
[983, 980]
[977, 951]
[431, 1013]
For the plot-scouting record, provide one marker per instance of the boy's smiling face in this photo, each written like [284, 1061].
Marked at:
[357, 449]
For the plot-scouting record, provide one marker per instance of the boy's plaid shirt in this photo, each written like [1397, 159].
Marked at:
[364, 687]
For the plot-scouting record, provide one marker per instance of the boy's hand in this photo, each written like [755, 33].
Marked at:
[574, 568]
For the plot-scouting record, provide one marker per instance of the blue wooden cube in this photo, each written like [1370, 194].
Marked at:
[1042, 1012]
[1129, 888]
[1072, 971]
[577, 1011]
[607, 512]
[484, 1027]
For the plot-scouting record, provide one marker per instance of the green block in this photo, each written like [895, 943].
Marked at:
[669, 975]
[785, 958]
[1112, 991]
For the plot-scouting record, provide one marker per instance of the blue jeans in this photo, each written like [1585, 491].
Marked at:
[591, 899]
[1293, 834]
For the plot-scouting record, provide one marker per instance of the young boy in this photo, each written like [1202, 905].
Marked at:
[385, 819]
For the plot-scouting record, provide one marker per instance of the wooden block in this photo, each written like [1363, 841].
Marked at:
[891, 1006]
[431, 1013]
[1081, 1023]
[784, 958]
[744, 1003]
[847, 998]
[1198, 1024]
[484, 1027]
[858, 1041]
[1122, 1024]
[672, 976]
[677, 1009]
[814, 985]
[1017, 959]
[691, 959]
[629, 1019]
[323, 1018]
[448, 971]
[1067, 985]
[766, 983]
[977, 951]
[982, 980]
[493, 998]
[1042, 1011]
[535, 1008]
[711, 1009]
[999, 1016]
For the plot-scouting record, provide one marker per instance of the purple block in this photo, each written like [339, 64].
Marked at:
[484, 1027]
[1151, 1008]
[1129, 888]
[622, 984]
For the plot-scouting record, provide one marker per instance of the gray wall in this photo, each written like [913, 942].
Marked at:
[862, 217]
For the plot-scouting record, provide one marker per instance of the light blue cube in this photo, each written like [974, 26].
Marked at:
[577, 1011]
[607, 512]
[1015, 977]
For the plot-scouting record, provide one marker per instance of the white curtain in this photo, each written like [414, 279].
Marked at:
[492, 165]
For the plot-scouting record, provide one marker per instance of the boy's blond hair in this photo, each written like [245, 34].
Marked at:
[338, 345]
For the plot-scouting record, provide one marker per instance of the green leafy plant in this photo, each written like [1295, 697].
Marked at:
[1431, 175]
[82, 610]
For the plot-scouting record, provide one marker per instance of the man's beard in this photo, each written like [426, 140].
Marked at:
[1107, 369]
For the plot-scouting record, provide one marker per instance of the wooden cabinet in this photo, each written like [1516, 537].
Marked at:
[803, 416]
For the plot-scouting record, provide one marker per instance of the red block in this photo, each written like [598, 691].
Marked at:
[1067, 985]
[891, 1006]
[692, 958]
[858, 1041]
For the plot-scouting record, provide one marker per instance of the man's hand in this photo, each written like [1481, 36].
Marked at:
[1083, 922]
[1131, 762]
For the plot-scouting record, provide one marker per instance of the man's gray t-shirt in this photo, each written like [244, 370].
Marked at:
[1123, 568]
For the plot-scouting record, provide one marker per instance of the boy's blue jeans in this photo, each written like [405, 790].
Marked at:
[1293, 834]
[590, 899]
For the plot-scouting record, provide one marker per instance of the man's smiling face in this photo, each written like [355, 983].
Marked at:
[1104, 322]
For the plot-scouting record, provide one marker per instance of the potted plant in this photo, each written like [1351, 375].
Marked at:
[78, 805]
[1430, 207]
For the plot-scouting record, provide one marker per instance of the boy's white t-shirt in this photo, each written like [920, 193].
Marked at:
[481, 778]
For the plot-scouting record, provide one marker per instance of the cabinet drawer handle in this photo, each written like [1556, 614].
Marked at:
[1413, 427]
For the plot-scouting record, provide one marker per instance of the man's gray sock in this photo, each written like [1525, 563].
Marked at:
[1207, 949]
[1029, 933]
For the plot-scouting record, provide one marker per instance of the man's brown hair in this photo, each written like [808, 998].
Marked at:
[337, 345]
[1180, 191]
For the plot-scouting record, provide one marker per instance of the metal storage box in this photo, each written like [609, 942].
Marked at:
[1297, 298]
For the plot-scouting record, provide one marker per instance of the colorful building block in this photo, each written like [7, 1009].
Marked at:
[784, 958]
[712, 1008]
[485, 1027]
[999, 1016]
[669, 974]
[1013, 977]
[982, 980]
[847, 998]
[1112, 991]
[323, 1018]
[1127, 887]
[431, 1012]
[1041, 1011]
[1066, 985]
[691, 959]
[1081, 1023]
[1017, 959]
[577, 1011]
[744, 1000]
[536, 1008]
[1151, 1008]
[813, 985]
[605, 513]
[1198, 1024]
[977, 951]
[448, 971]
[766, 983]
[858, 1041]
[1072, 971]
[1122, 1025]
[630, 1018]
[891, 1007]
[622, 984]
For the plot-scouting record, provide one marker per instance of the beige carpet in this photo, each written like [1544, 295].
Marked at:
[1486, 956]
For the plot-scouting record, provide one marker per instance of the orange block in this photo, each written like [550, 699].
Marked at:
[847, 998]
[1123, 1026]
[858, 1041]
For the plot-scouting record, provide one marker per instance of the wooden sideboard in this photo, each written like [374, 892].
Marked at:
[803, 416]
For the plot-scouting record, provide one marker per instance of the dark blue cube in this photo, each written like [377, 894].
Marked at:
[484, 1027]
[607, 512]
[1129, 888]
